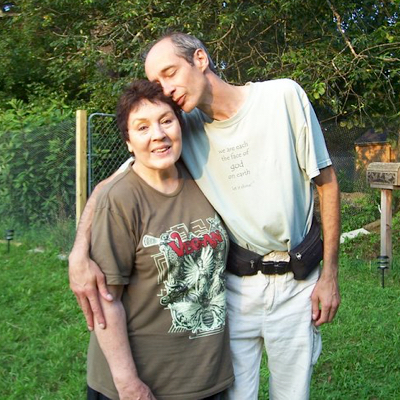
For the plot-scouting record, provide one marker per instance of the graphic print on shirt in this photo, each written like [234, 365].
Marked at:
[193, 280]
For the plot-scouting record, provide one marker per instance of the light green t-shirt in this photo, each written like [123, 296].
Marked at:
[256, 168]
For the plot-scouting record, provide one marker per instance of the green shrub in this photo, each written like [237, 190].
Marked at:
[37, 159]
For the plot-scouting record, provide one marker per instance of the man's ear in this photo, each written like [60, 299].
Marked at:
[200, 59]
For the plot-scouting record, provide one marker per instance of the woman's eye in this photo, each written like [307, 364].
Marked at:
[142, 128]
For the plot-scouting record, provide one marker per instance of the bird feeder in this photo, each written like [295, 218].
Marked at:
[386, 177]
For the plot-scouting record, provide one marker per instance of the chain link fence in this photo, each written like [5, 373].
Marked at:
[106, 150]
[37, 181]
[341, 146]
[37, 169]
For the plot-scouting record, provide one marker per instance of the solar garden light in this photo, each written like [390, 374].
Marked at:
[9, 237]
[383, 264]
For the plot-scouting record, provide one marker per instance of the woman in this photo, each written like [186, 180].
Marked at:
[163, 250]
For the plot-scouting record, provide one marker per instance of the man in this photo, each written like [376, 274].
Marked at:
[255, 151]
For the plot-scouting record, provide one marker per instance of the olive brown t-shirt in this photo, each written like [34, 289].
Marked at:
[169, 252]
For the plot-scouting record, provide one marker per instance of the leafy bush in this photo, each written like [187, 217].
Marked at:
[360, 211]
[37, 158]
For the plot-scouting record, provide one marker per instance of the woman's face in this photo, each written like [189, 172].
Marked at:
[155, 137]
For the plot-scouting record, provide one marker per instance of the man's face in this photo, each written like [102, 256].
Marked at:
[183, 82]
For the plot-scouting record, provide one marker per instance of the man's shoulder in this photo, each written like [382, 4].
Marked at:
[285, 91]
[194, 116]
[279, 85]
[117, 191]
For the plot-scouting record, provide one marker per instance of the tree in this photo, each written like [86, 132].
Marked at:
[344, 53]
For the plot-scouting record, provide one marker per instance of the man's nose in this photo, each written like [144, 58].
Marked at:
[168, 89]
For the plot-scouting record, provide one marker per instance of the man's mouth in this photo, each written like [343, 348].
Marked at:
[180, 100]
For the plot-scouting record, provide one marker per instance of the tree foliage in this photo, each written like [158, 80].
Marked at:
[344, 53]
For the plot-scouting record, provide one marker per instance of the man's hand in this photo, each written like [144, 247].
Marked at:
[85, 277]
[86, 281]
[136, 391]
[326, 293]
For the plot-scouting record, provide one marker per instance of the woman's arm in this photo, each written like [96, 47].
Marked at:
[114, 343]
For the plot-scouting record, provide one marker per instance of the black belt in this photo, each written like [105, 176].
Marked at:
[242, 262]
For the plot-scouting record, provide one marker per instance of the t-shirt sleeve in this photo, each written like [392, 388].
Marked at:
[113, 245]
[311, 150]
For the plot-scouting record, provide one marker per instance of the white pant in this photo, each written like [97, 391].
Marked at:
[274, 310]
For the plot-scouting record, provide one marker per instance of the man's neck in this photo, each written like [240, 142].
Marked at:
[223, 100]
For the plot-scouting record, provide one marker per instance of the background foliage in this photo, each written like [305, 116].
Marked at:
[344, 53]
[60, 55]
[37, 159]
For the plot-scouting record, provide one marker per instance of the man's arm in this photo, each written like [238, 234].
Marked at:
[85, 277]
[326, 292]
[114, 343]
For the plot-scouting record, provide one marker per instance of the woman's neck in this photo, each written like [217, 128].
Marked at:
[164, 181]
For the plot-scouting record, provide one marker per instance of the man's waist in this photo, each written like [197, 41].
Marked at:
[300, 260]
[243, 262]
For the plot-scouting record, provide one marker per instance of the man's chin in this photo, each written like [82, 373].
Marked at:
[187, 108]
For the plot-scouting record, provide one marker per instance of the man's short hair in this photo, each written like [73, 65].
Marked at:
[186, 45]
[132, 97]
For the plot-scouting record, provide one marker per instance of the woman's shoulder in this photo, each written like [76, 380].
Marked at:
[119, 190]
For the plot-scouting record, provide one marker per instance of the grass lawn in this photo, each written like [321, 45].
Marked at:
[361, 348]
[43, 335]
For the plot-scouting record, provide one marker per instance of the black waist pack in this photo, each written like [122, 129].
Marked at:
[305, 257]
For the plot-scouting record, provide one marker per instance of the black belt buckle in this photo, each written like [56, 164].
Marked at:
[274, 267]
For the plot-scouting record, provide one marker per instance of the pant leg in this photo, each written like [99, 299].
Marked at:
[245, 304]
[292, 342]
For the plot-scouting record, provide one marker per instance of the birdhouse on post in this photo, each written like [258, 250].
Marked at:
[386, 177]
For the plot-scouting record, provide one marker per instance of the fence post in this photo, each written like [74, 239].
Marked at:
[386, 223]
[81, 162]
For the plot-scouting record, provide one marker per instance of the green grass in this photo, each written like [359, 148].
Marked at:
[44, 338]
[361, 348]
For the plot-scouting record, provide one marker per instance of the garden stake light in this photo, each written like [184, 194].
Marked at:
[383, 264]
[9, 237]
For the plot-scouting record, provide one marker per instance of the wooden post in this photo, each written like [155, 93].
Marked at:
[81, 162]
[386, 223]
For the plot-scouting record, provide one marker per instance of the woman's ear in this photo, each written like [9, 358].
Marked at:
[130, 148]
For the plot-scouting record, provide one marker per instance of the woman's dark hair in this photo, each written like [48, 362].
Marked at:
[133, 95]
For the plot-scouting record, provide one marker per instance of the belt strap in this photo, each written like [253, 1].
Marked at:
[244, 262]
